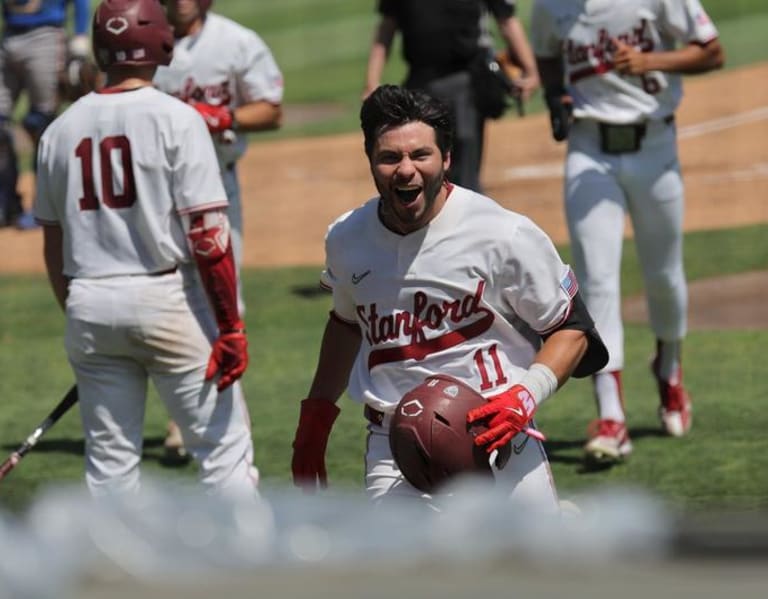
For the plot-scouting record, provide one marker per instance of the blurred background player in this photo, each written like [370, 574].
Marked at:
[138, 252]
[33, 55]
[416, 292]
[612, 77]
[441, 40]
[229, 75]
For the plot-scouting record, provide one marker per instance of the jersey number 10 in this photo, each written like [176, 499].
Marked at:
[110, 197]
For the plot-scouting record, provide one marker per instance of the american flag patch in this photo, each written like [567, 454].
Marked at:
[702, 18]
[569, 283]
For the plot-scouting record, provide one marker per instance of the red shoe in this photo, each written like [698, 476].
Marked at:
[608, 443]
[675, 409]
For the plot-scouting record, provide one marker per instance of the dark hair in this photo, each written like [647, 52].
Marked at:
[391, 106]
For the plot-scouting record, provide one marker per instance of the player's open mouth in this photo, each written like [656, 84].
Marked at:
[408, 194]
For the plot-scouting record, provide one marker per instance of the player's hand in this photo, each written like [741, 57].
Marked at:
[627, 60]
[316, 419]
[508, 414]
[79, 46]
[218, 118]
[560, 106]
[229, 358]
[526, 85]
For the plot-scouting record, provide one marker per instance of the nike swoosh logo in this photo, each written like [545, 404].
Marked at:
[518, 449]
[357, 278]
[517, 411]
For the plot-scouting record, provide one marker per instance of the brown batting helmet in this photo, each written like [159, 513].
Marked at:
[131, 33]
[430, 438]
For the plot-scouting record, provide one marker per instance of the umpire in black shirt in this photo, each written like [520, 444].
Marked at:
[441, 39]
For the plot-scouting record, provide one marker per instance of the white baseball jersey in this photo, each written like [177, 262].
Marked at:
[223, 64]
[467, 296]
[581, 31]
[98, 177]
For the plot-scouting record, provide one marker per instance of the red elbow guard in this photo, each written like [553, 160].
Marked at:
[212, 250]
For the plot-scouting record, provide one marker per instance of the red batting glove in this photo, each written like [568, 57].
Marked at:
[229, 358]
[218, 118]
[315, 422]
[509, 413]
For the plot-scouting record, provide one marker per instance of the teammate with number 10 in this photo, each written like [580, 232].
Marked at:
[138, 252]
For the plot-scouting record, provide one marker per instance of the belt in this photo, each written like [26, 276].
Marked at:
[375, 416]
[667, 120]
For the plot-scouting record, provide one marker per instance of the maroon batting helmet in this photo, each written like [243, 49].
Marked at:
[131, 33]
[204, 5]
[430, 438]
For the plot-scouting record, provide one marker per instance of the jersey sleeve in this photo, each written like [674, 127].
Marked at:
[545, 41]
[45, 186]
[501, 9]
[197, 181]
[388, 8]
[539, 286]
[258, 76]
[82, 21]
[687, 21]
[331, 277]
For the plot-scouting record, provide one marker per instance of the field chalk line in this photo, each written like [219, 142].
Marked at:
[554, 170]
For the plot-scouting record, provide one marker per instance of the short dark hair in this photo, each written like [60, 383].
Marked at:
[391, 106]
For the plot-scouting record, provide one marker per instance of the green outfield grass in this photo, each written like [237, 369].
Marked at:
[724, 463]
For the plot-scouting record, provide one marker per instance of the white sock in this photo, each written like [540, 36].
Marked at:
[608, 393]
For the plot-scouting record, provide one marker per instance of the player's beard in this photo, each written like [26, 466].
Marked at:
[405, 219]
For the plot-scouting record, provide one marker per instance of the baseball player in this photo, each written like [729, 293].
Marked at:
[32, 52]
[612, 77]
[138, 252]
[228, 74]
[429, 277]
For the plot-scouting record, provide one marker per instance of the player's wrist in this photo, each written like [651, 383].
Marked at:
[540, 381]
[234, 123]
[234, 328]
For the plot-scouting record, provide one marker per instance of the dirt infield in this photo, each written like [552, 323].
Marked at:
[293, 189]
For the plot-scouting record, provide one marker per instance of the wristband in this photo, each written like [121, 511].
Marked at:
[540, 381]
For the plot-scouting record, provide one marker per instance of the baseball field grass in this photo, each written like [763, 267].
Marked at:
[723, 464]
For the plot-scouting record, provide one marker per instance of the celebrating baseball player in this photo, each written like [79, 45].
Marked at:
[34, 44]
[429, 277]
[612, 76]
[228, 74]
[138, 252]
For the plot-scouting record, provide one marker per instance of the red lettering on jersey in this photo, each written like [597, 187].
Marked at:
[599, 55]
[215, 94]
[414, 325]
